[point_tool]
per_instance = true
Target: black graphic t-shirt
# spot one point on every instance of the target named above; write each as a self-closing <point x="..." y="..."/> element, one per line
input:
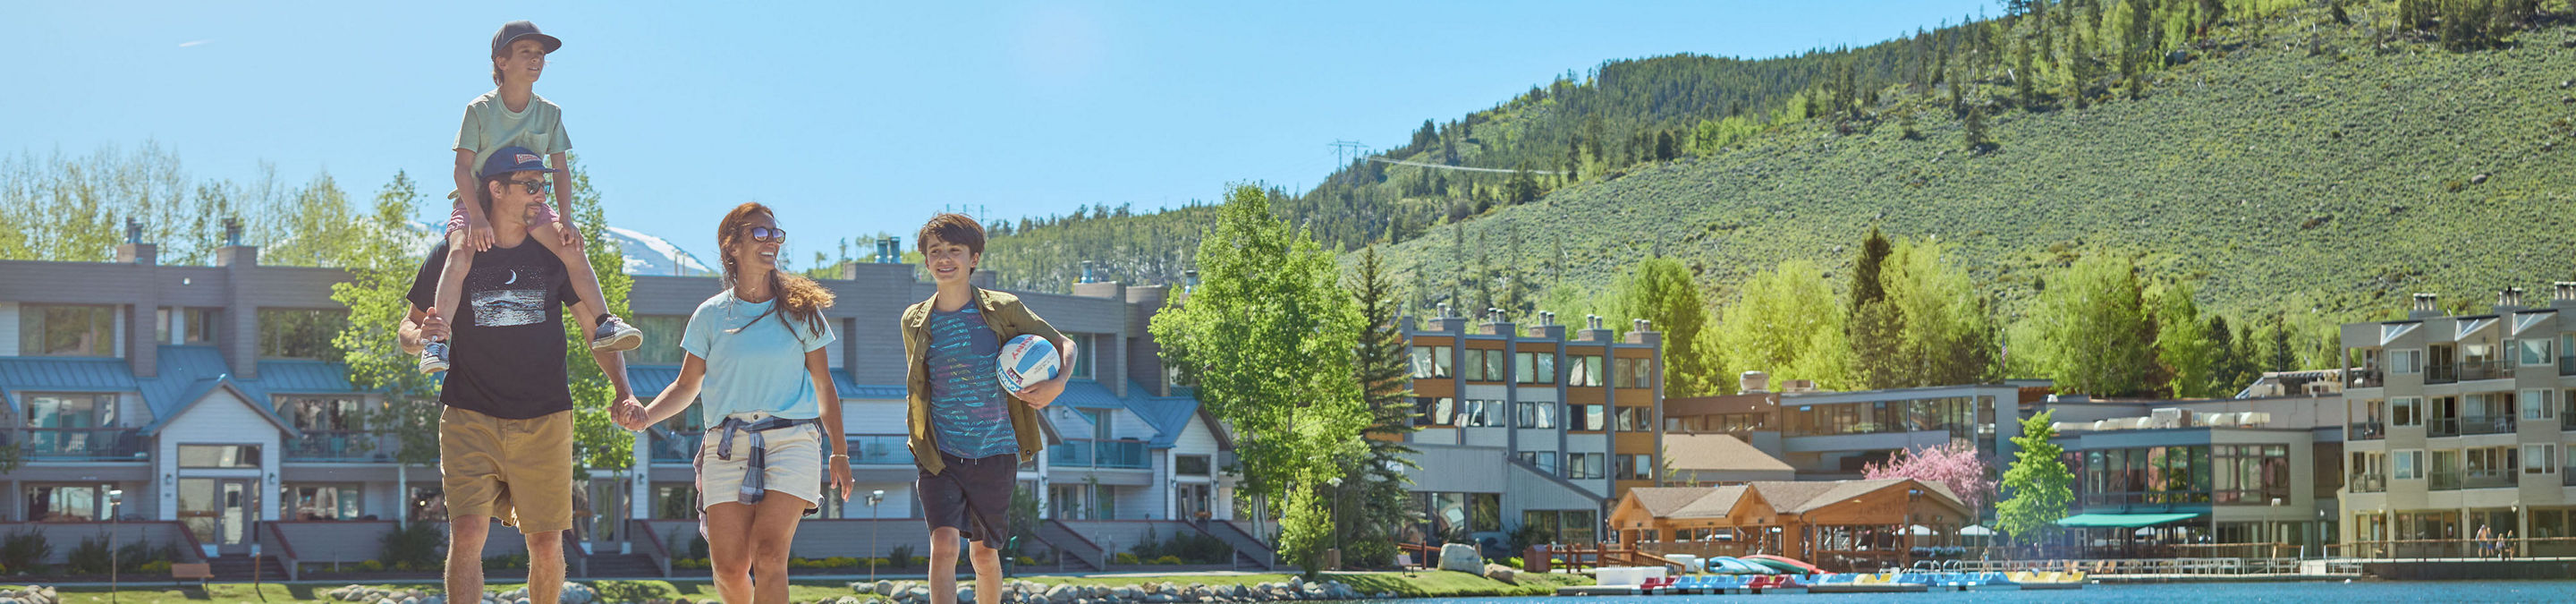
<point x="506" y="356"/>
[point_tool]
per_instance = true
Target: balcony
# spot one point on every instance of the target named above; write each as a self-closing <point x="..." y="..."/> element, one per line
<point x="2567" y="476"/>
<point x="2566" y="365"/>
<point x="342" y="446"/>
<point x="2366" y="377"/>
<point x="76" y="444"/>
<point x="2367" y="483"/>
<point x="2442" y="426"/>
<point x="2366" y="431"/>
<point x="2567" y="419"/>
<point x="2441" y="374"/>
<point x="1095" y="453"/>
<point x="2444" y="481"/>
<point x="2471" y="371"/>
<point x="2489" y="479"/>
<point x="676" y="447"/>
<point x="2484" y="425"/>
<point x="880" y="450"/>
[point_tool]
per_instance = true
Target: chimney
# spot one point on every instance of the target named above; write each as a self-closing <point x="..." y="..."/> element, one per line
<point x="1495" y="324"/>
<point x="1086" y="272"/>
<point x="2564" y="296"/>
<point x="1446" y="321"/>
<point x="2425" y="307"/>
<point x="1592" y="330"/>
<point x="1547" y="329"/>
<point x="233" y="253"/>
<point x="1753" y="382"/>
<point x="134" y="250"/>
<point x="1642" y="331"/>
<point x="889" y="250"/>
<point x="2508" y="300"/>
<point x="1190" y="281"/>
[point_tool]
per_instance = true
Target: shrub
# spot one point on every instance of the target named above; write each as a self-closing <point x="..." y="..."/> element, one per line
<point x="1025" y="561"/>
<point x="900" y="556"/>
<point x="1168" y="560"/>
<point x="413" y="546"/>
<point x="630" y="591"/>
<point x="89" y="558"/>
<point x="23" y="550"/>
<point x="155" y="567"/>
<point x="135" y="555"/>
<point x="505" y="562"/>
<point x="371" y="566"/>
<point x="689" y="563"/>
<point x="1128" y="558"/>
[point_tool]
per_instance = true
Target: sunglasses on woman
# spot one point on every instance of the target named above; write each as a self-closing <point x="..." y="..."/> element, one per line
<point x="534" y="186"/>
<point x="766" y="234"/>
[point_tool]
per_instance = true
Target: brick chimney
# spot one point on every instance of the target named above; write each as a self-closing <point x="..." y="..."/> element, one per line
<point x="1547" y="329"/>
<point x="1495" y="324"/>
<point x="1592" y="330"/>
<point x="134" y="250"/>
<point x="1446" y="321"/>
<point x="233" y="253"/>
<point x="2563" y="295"/>
<point x="1642" y="331"/>
<point x="2509" y="300"/>
<point x="2426" y="307"/>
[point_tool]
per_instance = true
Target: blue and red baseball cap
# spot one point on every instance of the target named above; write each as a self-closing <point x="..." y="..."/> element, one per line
<point x="514" y="30"/>
<point x="512" y="159"/>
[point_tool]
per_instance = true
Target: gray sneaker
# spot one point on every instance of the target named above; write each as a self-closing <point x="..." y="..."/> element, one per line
<point x="614" y="335"/>
<point x="433" y="357"/>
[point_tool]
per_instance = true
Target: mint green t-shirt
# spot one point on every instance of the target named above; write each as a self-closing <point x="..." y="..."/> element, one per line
<point x="490" y="125"/>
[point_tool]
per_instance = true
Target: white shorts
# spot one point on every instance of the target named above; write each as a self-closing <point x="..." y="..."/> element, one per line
<point x="795" y="460"/>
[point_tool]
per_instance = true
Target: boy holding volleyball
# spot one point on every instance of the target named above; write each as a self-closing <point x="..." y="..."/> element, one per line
<point x="967" y="435"/>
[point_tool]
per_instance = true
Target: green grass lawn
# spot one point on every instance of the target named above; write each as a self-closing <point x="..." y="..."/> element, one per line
<point x="1421" y="584"/>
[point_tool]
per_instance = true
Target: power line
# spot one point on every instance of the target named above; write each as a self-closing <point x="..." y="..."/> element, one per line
<point x="1443" y="167"/>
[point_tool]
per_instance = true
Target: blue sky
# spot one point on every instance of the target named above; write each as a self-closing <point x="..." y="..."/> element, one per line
<point x="849" y="117"/>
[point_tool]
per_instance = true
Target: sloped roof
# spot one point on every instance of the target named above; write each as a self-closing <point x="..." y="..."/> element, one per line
<point x="1718" y="453"/>
<point x="1715" y="504"/>
<point x="1664" y="501"/>
<point x="1803" y="497"/>
<point x="203" y="389"/>
<point x="58" y="374"/>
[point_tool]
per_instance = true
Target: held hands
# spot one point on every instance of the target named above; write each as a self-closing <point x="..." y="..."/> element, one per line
<point x="432" y="327"/>
<point x="630" y="414"/>
<point x="478" y="232"/>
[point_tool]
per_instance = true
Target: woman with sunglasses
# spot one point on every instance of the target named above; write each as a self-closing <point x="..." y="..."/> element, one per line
<point x="756" y="352"/>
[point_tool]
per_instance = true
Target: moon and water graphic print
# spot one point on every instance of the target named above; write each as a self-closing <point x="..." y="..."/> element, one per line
<point x="509" y="296"/>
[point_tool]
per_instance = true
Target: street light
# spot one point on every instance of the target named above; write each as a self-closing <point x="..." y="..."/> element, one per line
<point x="115" y="500"/>
<point x="1337" y="519"/>
<point x="873" y="498"/>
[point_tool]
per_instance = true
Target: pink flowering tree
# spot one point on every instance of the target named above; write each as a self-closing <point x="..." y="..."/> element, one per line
<point x="1956" y="466"/>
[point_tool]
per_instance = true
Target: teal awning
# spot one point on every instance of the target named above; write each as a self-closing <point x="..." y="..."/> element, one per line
<point x="2122" y="520"/>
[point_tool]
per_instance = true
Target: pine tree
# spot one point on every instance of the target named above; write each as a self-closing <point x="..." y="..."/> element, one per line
<point x="1375" y="487"/>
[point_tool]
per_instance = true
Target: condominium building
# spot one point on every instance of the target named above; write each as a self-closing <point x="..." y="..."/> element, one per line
<point x="1525" y="425"/>
<point x="210" y="402"/>
<point x="2461" y="424"/>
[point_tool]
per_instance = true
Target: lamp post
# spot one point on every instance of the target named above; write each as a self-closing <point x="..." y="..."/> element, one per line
<point x="1337" y="520"/>
<point x="115" y="521"/>
<point x="873" y="520"/>
<point x="2274" y="515"/>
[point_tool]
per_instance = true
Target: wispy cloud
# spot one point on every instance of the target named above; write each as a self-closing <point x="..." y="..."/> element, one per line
<point x="193" y="43"/>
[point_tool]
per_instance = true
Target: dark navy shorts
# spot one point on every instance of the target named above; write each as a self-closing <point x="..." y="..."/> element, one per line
<point x="972" y="496"/>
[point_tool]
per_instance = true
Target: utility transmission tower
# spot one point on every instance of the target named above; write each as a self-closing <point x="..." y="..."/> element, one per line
<point x="1345" y="151"/>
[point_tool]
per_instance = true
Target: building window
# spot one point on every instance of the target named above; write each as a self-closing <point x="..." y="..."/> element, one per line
<point x="299" y="333"/>
<point x="71" y="410"/>
<point x="661" y="340"/>
<point x="1432" y="361"/>
<point x="1434" y="411"/>
<point x="322" y="502"/>
<point x="1534" y="367"/>
<point x="53" y="330"/>
<point x="1480" y="413"/>
<point x="184" y="326"/>
<point x="1583" y="370"/>
<point x="1545" y="461"/>
<point x="323" y="412"/>
<point x="1631" y="373"/>
<point x="2407" y="361"/>
<point x="1533" y="414"/>
<point x="2536" y="405"/>
<point x="1635" y="419"/>
<point x="2408" y="411"/>
<point x="1083" y="353"/>
<point x="2533" y="352"/>
<point x="1190" y="465"/>
<point x="2540" y="456"/>
<point x="1585" y="418"/>
<point x="2410" y="463"/>
<point x="1584" y="465"/>
<point x="218" y="456"/>
<point x="2250" y="474"/>
<point x="67" y="503"/>
<point x="1635" y="467"/>
<point x="1484" y="365"/>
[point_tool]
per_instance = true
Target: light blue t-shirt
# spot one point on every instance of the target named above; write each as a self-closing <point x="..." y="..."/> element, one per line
<point x="753" y="367"/>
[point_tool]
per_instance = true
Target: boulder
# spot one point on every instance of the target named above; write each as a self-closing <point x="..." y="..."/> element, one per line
<point x="1462" y="558"/>
<point x="1499" y="573"/>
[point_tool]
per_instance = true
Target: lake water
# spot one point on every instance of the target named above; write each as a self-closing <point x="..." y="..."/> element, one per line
<point x="2418" y="592"/>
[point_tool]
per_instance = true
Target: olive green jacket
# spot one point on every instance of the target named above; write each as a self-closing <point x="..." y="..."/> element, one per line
<point x="1008" y="319"/>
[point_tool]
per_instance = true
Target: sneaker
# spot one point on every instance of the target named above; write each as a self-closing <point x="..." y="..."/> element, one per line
<point x="433" y="357"/>
<point x="614" y="335"/>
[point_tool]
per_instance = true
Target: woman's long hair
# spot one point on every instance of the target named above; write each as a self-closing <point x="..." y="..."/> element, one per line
<point x="801" y="299"/>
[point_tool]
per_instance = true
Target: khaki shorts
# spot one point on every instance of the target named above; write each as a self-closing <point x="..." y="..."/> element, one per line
<point x="517" y="470"/>
<point x="795" y="464"/>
